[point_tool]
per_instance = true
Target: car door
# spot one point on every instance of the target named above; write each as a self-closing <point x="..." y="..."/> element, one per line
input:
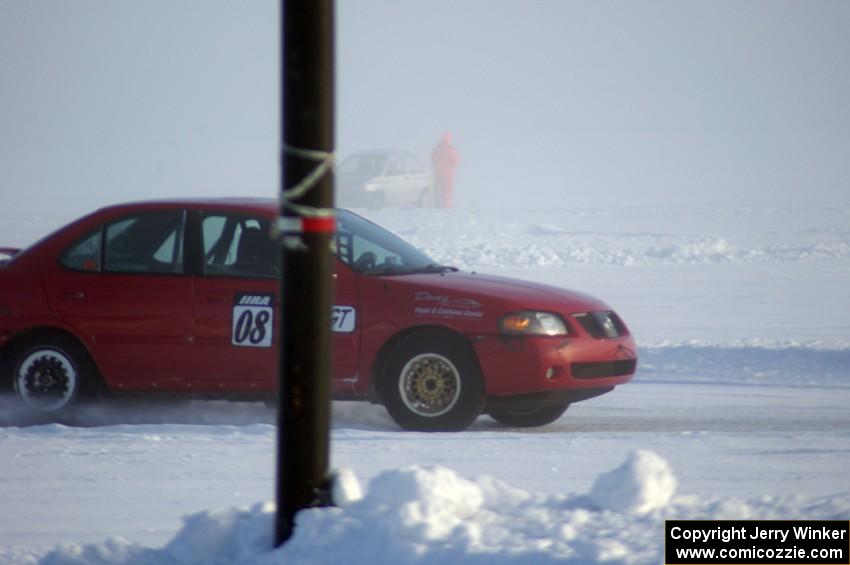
<point x="395" y="183"/>
<point x="237" y="309"/>
<point x="124" y="289"/>
<point x="351" y="176"/>
<point x="346" y="326"/>
<point x="418" y="181"/>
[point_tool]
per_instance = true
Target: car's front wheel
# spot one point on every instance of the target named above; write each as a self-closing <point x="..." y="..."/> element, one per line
<point x="530" y="418"/>
<point x="51" y="373"/>
<point x="431" y="382"/>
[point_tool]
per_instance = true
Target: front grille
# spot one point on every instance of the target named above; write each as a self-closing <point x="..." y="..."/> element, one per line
<point x="604" y="369"/>
<point x="601" y="325"/>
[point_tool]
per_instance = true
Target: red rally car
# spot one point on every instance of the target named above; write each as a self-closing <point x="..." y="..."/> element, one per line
<point x="181" y="297"/>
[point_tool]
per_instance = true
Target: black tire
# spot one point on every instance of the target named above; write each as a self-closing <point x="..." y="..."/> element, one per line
<point x="431" y="382"/>
<point x="529" y="418"/>
<point x="52" y="373"/>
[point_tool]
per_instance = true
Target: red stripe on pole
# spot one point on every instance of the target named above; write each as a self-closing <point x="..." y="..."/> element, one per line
<point x="319" y="225"/>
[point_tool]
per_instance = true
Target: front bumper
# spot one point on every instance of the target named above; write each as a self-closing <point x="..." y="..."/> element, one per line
<point x="516" y="365"/>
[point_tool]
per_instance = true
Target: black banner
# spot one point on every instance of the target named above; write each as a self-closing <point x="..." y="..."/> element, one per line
<point x="757" y="542"/>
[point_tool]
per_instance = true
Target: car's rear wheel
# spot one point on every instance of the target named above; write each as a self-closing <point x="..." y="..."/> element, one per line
<point x="51" y="373"/>
<point x="530" y="418"/>
<point x="431" y="382"/>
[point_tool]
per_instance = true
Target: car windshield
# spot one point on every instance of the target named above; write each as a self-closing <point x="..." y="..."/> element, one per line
<point x="363" y="166"/>
<point x="372" y="250"/>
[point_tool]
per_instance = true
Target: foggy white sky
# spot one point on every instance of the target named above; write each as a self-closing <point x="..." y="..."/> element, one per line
<point x="551" y="103"/>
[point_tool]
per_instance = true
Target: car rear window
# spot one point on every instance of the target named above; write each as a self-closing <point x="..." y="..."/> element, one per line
<point x="151" y="242"/>
<point x="84" y="254"/>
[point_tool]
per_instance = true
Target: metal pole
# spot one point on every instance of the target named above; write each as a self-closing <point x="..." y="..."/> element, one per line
<point x="307" y="225"/>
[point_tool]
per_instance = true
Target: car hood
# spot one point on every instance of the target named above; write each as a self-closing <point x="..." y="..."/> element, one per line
<point x="513" y="293"/>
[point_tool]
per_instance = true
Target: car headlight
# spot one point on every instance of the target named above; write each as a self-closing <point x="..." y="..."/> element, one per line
<point x="533" y="323"/>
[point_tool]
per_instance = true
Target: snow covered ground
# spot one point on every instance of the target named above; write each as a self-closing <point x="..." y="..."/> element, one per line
<point x="739" y="410"/>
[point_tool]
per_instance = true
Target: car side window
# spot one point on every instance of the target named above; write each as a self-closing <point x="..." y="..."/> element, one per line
<point x="238" y="246"/>
<point x="374" y="165"/>
<point x="150" y="242"/>
<point x="395" y="166"/>
<point x="364" y="255"/>
<point x="83" y="255"/>
<point x="371" y="250"/>
<point x="366" y="250"/>
<point x="352" y="165"/>
<point x="414" y="165"/>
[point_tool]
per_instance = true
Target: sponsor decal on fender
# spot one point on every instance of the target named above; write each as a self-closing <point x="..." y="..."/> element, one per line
<point x="445" y="307"/>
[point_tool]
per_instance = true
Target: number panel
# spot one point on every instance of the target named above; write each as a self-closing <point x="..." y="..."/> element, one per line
<point x="253" y="320"/>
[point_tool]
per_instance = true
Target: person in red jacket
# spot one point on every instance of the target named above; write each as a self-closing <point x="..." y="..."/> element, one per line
<point x="445" y="159"/>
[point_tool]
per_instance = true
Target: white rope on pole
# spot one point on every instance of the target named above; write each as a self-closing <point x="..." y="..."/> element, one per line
<point x="325" y="160"/>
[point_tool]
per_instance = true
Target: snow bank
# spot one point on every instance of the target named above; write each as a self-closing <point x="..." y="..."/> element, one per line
<point x="624" y="236"/>
<point x="643" y="483"/>
<point x="433" y="515"/>
<point x="751" y="362"/>
<point x="686" y="235"/>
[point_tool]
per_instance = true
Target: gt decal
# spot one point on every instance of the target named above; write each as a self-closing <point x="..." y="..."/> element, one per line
<point x="343" y="319"/>
<point x="253" y="320"/>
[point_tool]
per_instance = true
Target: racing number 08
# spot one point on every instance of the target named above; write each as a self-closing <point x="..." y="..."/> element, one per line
<point x="253" y="328"/>
<point x="253" y="317"/>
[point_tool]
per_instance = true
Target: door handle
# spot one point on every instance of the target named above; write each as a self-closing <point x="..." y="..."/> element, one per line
<point x="74" y="295"/>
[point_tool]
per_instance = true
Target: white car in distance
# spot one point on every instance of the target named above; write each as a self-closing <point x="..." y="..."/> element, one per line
<point x="379" y="178"/>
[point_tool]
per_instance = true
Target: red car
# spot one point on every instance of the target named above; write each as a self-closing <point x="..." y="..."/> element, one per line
<point x="181" y="297"/>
